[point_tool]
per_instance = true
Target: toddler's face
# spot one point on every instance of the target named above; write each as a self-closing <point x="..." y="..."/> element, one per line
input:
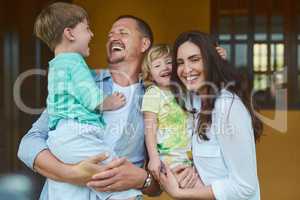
<point x="160" y="70"/>
<point x="82" y="37"/>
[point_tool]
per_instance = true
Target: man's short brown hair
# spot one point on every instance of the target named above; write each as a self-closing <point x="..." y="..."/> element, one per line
<point x="51" y="22"/>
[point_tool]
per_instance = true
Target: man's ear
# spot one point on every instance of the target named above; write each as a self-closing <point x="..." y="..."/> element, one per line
<point x="146" y="44"/>
<point x="68" y="34"/>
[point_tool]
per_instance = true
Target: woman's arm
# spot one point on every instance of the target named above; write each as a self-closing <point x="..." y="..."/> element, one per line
<point x="170" y="185"/>
<point x="237" y="144"/>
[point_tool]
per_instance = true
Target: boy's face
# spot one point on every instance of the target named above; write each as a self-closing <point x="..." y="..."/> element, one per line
<point x="82" y="36"/>
<point x="160" y="70"/>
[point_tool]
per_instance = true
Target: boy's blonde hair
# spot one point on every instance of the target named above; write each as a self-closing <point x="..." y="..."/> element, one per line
<point x="51" y="22"/>
<point x="154" y="53"/>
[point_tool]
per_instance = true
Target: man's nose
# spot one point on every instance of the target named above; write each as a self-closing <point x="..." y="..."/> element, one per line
<point x="114" y="36"/>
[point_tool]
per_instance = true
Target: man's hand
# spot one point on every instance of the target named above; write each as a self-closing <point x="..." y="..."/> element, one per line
<point x="82" y="172"/>
<point x="186" y="176"/>
<point x="120" y="175"/>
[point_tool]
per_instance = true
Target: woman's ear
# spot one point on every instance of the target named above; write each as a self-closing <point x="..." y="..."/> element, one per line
<point x="68" y="34"/>
<point x="146" y="44"/>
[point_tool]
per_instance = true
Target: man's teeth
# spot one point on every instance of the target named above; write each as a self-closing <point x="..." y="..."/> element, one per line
<point x="117" y="48"/>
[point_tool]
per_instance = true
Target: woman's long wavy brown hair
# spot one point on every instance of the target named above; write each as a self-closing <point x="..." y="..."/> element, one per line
<point x="218" y="72"/>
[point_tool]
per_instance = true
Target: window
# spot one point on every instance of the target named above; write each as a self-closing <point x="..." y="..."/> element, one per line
<point x="258" y="36"/>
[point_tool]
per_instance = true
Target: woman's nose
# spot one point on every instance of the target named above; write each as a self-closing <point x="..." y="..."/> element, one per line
<point x="186" y="68"/>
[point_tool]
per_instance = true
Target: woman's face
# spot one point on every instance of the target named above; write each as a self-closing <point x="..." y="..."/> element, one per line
<point x="190" y="66"/>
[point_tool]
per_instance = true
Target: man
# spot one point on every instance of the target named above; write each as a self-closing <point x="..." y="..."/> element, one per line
<point x="128" y="40"/>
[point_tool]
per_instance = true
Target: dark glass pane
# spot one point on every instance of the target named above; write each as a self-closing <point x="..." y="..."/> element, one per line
<point x="276" y="28"/>
<point x="241" y="55"/>
<point x="260" y="57"/>
<point x="241" y="28"/>
<point x="298" y="57"/>
<point x="224" y="28"/>
<point x="277" y="57"/>
<point x="260" y="28"/>
<point x="298" y="26"/>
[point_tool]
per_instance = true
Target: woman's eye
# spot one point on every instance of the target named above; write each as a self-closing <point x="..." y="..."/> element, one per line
<point x="195" y="59"/>
<point x="156" y="66"/>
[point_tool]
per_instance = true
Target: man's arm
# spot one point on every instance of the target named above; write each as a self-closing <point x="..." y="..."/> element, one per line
<point x="123" y="177"/>
<point x="33" y="151"/>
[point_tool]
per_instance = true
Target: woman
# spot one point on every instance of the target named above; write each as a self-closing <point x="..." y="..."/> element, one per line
<point x="223" y="125"/>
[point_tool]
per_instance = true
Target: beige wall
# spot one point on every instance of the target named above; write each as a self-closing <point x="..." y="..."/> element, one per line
<point x="278" y="154"/>
<point x="167" y="18"/>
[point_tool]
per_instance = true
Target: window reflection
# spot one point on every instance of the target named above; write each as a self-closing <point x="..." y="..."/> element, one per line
<point x="277" y="57"/>
<point x="260" y="82"/>
<point x="260" y="57"/>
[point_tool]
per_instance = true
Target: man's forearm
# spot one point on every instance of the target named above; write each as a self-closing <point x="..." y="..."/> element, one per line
<point x="49" y="166"/>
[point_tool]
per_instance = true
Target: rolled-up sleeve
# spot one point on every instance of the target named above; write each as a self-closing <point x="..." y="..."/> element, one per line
<point x="34" y="141"/>
<point x="236" y="140"/>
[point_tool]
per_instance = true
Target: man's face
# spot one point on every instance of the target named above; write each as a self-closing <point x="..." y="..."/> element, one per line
<point x="125" y="42"/>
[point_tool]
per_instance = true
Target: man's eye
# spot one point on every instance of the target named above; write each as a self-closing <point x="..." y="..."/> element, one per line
<point x="169" y="62"/>
<point x="124" y="33"/>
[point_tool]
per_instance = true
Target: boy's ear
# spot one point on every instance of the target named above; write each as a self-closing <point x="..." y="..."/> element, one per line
<point x="145" y="44"/>
<point x="68" y="34"/>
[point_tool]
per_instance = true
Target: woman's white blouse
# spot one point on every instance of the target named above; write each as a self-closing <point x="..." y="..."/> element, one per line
<point x="227" y="161"/>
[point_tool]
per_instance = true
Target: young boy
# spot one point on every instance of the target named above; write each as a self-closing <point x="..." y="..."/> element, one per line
<point x="74" y="102"/>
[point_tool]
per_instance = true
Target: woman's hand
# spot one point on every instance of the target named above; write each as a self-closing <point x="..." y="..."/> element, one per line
<point x="154" y="166"/>
<point x="186" y="176"/>
<point x="169" y="183"/>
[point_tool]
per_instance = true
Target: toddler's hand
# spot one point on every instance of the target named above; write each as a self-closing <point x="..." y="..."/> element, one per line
<point x="113" y="102"/>
<point x="154" y="166"/>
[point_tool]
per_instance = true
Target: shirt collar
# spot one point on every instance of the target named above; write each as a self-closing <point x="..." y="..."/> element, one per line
<point x="102" y="74"/>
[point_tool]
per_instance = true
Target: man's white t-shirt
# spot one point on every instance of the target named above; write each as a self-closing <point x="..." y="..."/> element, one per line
<point x="116" y="120"/>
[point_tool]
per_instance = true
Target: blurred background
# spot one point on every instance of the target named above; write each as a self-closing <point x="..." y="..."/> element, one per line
<point x="262" y="39"/>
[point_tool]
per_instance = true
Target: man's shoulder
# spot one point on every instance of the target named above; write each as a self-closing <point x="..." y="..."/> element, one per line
<point x="100" y="74"/>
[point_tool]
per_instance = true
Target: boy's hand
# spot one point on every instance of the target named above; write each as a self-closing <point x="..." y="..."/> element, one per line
<point x="113" y="102"/>
<point x="154" y="166"/>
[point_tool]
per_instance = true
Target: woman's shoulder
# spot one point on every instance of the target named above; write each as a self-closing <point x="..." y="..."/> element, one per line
<point x="227" y="100"/>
